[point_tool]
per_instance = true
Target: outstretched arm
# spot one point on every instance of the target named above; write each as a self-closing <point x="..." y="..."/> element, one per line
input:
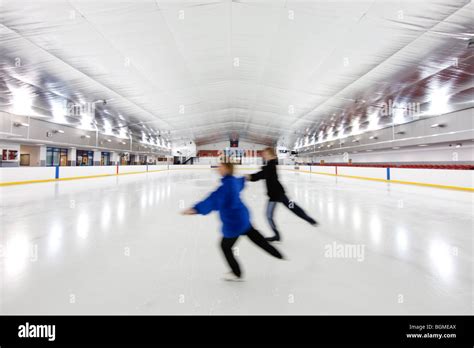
<point x="209" y="204"/>
<point x="256" y="176"/>
<point x="189" y="211"/>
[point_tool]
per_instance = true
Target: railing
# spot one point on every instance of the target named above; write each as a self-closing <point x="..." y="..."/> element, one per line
<point x="190" y="160"/>
<point x="399" y="165"/>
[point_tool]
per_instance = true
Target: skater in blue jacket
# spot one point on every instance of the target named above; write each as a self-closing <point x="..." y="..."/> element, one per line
<point x="234" y="215"/>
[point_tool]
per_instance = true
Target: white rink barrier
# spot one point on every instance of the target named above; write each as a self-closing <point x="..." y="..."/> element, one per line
<point x="255" y="167"/>
<point x="441" y="178"/>
<point x="157" y="167"/>
<point x="286" y="167"/>
<point x="429" y="177"/>
<point x="131" y="169"/>
<point x="190" y="166"/>
<point x="303" y="168"/>
<point x="86" y="171"/>
<point x="26" y="175"/>
<point x="363" y="172"/>
<point x="328" y="170"/>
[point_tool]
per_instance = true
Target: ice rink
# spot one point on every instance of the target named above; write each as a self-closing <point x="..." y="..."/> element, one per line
<point x="118" y="245"/>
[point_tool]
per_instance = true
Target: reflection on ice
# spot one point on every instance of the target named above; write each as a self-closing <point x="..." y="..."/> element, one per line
<point x="441" y="257"/>
<point x="402" y="239"/>
<point x="83" y="225"/>
<point x="54" y="237"/>
<point x="375" y="228"/>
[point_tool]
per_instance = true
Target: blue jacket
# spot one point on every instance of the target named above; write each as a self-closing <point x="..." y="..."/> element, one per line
<point x="234" y="214"/>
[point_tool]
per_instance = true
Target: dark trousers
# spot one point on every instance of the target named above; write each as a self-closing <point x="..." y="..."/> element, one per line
<point x="296" y="209"/>
<point x="257" y="238"/>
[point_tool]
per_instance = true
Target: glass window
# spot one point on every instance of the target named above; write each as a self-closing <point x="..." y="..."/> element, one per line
<point x="105" y="159"/>
<point x="56" y="156"/>
<point x="49" y="157"/>
<point x="84" y="158"/>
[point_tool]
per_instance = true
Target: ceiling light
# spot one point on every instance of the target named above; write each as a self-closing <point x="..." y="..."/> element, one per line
<point x="58" y="131"/>
<point x="422" y="145"/>
<point x="373" y="137"/>
<point x="21" y="124"/>
<point x="355" y="141"/>
<point x="108" y="140"/>
<point x="458" y="146"/>
<point x="437" y="125"/>
<point x="85" y="136"/>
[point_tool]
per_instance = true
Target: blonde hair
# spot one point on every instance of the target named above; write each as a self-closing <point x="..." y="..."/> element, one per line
<point x="270" y="151"/>
<point x="229" y="166"/>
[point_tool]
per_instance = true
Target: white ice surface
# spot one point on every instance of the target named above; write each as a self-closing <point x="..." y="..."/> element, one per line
<point x="118" y="245"/>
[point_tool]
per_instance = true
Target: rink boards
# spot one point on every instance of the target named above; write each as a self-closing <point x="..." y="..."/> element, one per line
<point x="440" y="178"/>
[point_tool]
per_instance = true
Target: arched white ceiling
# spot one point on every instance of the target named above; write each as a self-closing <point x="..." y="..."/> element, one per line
<point x="262" y="70"/>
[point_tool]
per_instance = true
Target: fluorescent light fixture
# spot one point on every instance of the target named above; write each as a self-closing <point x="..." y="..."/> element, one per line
<point x="458" y="146"/>
<point x="355" y="140"/>
<point x="422" y="145"/>
<point x="108" y="140"/>
<point x="86" y="136"/>
<point x="21" y="124"/>
<point x="439" y="100"/>
<point x="373" y="137"/>
<point x="58" y="131"/>
<point x="437" y="125"/>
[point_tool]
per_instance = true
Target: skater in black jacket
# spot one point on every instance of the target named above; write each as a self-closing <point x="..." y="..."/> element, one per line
<point x="276" y="192"/>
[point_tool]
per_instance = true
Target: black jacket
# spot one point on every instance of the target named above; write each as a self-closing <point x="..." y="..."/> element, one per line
<point x="269" y="172"/>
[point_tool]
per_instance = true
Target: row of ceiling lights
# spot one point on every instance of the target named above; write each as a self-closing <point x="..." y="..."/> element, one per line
<point x="393" y="148"/>
<point x="23" y="97"/>
<point x="84" y="136"/>
<point x="373" y="137"/>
